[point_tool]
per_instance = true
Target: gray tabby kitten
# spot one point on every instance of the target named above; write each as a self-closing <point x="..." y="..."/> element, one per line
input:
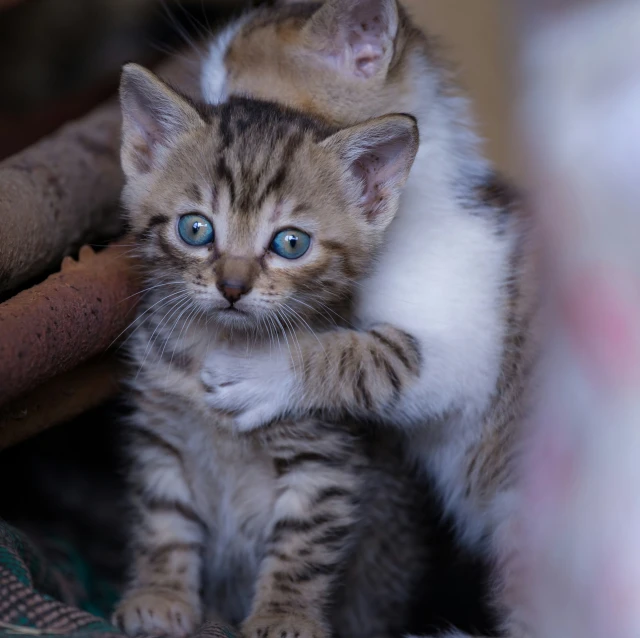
<point x="254" y="224"/>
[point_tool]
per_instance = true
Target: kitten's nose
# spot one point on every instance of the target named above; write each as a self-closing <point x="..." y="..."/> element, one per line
<point x="233" y="290"/>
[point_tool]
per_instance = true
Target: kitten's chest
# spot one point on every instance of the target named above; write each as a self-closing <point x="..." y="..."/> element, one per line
<point x="234" y="483"/>
<point x="233" y="479"/>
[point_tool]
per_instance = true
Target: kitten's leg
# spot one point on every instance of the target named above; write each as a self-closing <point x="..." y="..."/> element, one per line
<point x="313" y="528"/>
<point x="164" y="593"/>
<point x="362" y="373"/>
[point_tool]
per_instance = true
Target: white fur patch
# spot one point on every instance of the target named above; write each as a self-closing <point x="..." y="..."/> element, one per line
<point x="213" y="78"/>
<point x="261" y="383"/>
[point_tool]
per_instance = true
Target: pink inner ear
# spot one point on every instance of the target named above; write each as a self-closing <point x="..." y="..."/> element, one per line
<point x="371" y="197"/>
<point x="380" y="171"/>
<point x="368" y="37"/>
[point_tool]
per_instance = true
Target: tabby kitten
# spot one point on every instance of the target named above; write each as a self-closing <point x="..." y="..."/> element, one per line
<point x="453" y="285"/>
<point x="254" y="224"/>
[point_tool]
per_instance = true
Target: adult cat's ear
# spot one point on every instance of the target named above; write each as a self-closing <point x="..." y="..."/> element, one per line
<point x="154" y="116"/>
<point x="355" y="36"/>
<point x="379" y="154"/>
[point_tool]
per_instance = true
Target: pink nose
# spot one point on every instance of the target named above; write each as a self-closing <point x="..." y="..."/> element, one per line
<point x="233" y="290"/>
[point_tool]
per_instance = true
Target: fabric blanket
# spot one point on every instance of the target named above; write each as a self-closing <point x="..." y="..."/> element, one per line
<point x="54" y="593"/>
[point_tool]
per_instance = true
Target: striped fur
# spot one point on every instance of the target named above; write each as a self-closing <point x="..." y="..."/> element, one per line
<point x="442" y="343"/>
<point x="304" y="528"/>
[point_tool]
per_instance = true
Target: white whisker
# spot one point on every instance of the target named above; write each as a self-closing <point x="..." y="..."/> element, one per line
<point x="303" y="320"/>
<point x="141" y="292"/>
<point x="160" y="324"/>
<point x="294" y="335"/>
<point x="284" y="334"/>
<point x="170" y="297"/>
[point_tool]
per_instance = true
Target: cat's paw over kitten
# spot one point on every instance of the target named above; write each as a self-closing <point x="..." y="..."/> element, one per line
<point x="254" y="388"/>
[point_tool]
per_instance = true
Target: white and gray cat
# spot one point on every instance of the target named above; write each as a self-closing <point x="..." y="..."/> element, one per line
<point x="455" y="275"/>
<point x="254" y="225"/>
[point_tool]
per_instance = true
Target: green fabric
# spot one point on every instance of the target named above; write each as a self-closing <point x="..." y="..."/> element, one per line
<point x="92" y="595"/>
<point x="45" y="596"/>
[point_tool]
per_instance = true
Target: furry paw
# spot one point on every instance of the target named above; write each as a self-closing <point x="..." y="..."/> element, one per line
<point x="280" y="626"/>
<point x="256" y="389"/>
<point x="157" y="612"/>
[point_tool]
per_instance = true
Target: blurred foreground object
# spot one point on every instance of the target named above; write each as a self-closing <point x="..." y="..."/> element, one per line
<point x="580" y="522"/>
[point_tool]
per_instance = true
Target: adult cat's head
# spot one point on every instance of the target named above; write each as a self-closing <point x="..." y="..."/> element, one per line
<point x="342" y="60"/>
<point x="255" y="213"/>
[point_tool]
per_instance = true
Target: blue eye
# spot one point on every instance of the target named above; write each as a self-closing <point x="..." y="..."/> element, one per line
<point x="290" y="243"/>
<point x="195" y="230"/>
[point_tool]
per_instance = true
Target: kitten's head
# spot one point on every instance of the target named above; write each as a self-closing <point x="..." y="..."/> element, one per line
<point x="255" y="212"/>
<point x="343" y="60"/>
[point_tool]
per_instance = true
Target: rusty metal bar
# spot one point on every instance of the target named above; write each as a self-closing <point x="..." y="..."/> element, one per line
<point x="71" y="317"/>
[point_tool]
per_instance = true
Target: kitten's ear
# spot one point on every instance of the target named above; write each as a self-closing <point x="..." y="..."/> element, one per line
<point x="154" y="116"/>
<point x="356" y="36"/>
<point x="380" y="154"/>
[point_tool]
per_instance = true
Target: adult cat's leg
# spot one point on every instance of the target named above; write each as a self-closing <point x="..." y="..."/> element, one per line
<point x="366" y="374"/>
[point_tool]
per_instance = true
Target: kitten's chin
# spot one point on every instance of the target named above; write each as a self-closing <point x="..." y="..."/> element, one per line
<point x="234" y="318"/>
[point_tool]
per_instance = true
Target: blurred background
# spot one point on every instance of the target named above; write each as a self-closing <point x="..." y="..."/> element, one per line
<point x="59" y="57"/>
<point x="476" y="36"/>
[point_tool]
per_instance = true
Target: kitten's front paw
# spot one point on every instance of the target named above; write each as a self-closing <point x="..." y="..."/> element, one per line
<point x="157" y="612"/>
<point x="255" y="387"/>
<point x="281" y="626"/>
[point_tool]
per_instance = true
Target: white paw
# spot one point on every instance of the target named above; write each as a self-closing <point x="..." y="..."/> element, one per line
<point x="281" y="626"/>
<point x="256" y="387"/>
<point x="157" y="612"/>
